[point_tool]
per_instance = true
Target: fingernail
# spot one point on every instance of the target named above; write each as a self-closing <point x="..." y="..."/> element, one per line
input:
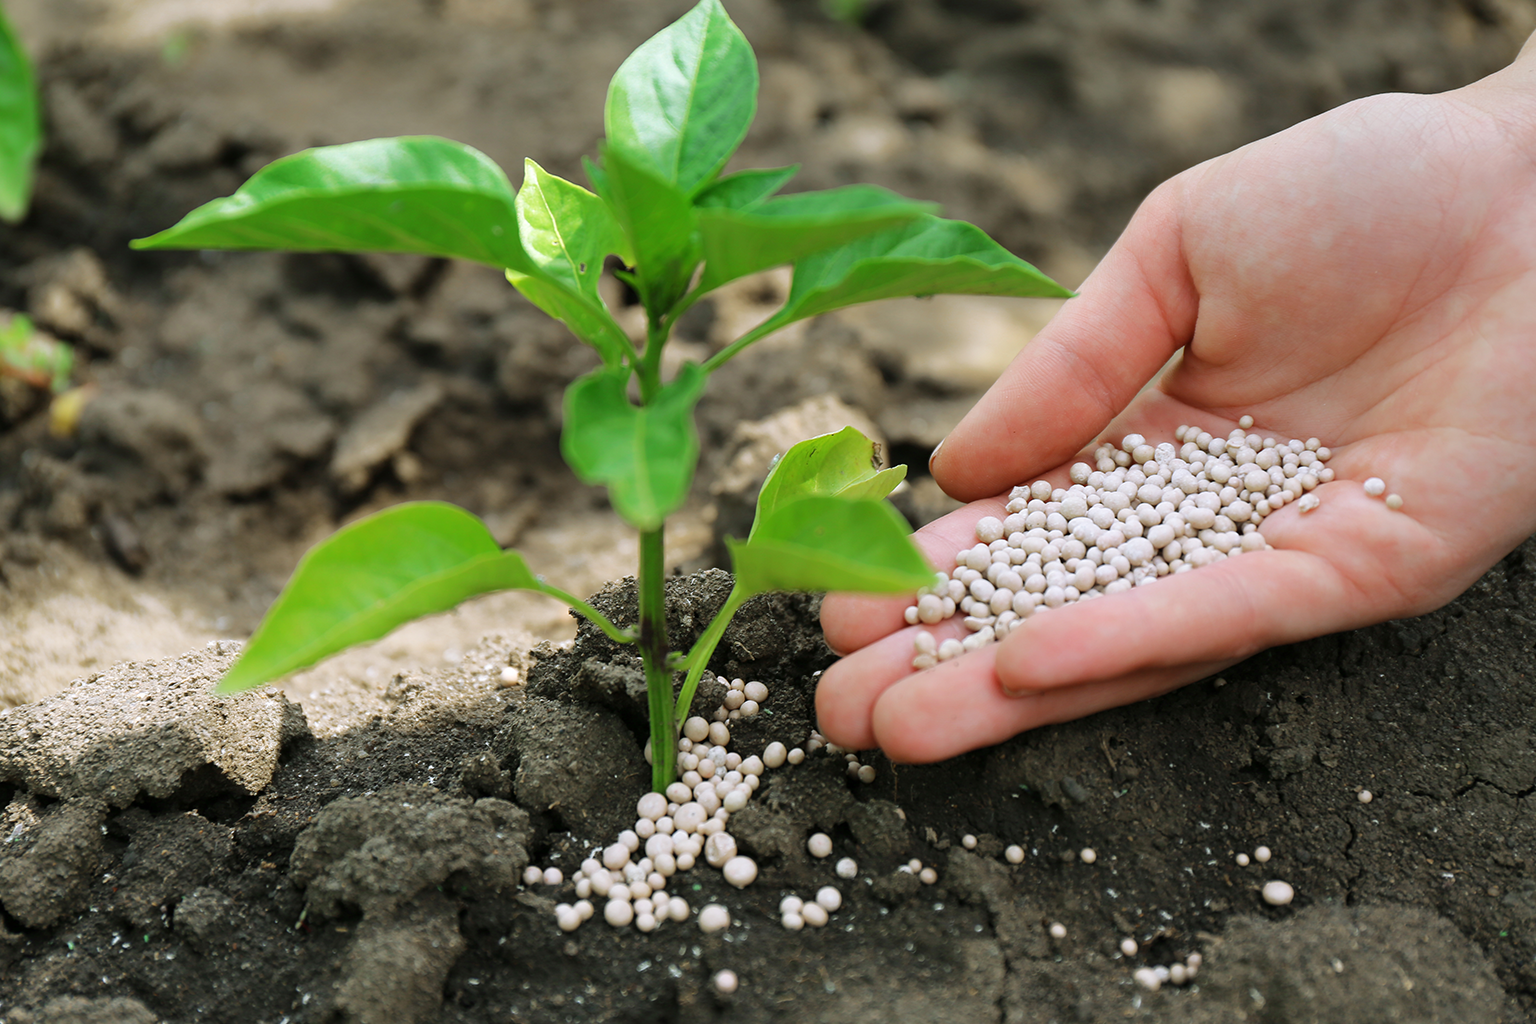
<point x="934" y="454"/>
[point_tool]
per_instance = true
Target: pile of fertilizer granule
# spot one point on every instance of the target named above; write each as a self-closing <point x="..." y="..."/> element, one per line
<point x="1142" y="513"/>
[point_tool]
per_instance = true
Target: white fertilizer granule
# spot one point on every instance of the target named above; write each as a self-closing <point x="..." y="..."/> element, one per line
<point x="1144" y="513"/>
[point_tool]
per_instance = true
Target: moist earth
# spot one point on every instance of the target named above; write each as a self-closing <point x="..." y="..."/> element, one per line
<point x="375" y="874"/>
<point x="351" y="847"/>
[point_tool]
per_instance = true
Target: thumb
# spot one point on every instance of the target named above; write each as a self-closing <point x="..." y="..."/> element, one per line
<point x="1135" y="310"/>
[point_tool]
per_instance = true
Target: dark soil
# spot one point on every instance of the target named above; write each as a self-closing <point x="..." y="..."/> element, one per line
<point x="177" y="859"/>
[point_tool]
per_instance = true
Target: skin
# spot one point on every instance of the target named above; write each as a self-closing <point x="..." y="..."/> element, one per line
<point x="1367" y="277"/>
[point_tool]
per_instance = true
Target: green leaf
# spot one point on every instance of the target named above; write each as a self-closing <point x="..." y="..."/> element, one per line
<point x="686" y="97"/>
<point x="588" y="321"/>
<point x="418" y="194"/>
<point x="598" y="177"/>
<point x="17" y="331"/>
<point x="644" y="454"/>
<point x="660" y="225"/>
<point x="790" y="228"/>
<point x="567" y="232"/>
<point x="371" y="576"/>
<point x="830" y="543"/>
<point x="20" y="127"/>
<point x="845" y="464"/>
<point x="930" y="256"/>
<point x="28" y="354"/>
<point x="746" y="189"/>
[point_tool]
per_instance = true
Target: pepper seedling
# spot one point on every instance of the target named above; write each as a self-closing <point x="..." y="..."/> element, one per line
<point x="20" y="126"/>
<point x="32" y="357"/>
<point x="677" y="109"/>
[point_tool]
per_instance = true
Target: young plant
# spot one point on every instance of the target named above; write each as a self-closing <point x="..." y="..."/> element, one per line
<point x="20" y="131"/>
<point x="33" y="357"/>
<point x="677" y="109"/>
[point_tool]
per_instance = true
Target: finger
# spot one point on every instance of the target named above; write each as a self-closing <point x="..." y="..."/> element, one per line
<point x="957" y="706"/>
<point x="1349" y="564"/>
<point x="1225" y="611"/>
<point x="847" y="691"/>
<point x="850" y="621"/>
<point x="1134" y="311"/>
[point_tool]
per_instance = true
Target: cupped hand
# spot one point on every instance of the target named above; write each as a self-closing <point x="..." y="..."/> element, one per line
<point x="1367" y="277"/>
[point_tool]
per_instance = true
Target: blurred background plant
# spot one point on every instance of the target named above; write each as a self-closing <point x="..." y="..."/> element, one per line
<point x="850" y="12"/>
<point x="20" y="126"/>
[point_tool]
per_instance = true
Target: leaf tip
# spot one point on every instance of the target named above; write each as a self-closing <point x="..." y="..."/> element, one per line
<point x="235" y="681"/>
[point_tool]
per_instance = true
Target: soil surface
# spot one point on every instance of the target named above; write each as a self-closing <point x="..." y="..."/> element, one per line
<point x="351" y="846"/>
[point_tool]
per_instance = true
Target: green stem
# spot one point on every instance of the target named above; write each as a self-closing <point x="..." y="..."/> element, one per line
<point x="757" y="333"/>
<point x="685" y="303"/>
<point x="698" y="658"/>
<point x="627" y="350"/>
<point x="653" y="655"/>
<point x="649" y="366"/>
<point x="598" y="619"/>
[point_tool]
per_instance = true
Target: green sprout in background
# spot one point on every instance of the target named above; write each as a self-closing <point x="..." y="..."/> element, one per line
<point x="849" y="12"/>
<point x="677" y="109"/>
<point x="33" y="357"/>
<point x="20" y="126"/>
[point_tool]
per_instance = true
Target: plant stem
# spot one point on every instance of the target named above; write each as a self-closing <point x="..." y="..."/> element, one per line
<point x="757" y="333"/>
<point x="653" y="655"/>
<point x="597" y="618"/>
<point x="698" y="658"/>
<point x="648" y="369"/>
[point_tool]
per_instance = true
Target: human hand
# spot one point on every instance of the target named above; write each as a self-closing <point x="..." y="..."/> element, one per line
<point x="1367" y="277"/>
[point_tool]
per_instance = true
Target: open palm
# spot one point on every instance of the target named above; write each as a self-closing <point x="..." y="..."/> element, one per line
<point x="1367" y="277"/>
